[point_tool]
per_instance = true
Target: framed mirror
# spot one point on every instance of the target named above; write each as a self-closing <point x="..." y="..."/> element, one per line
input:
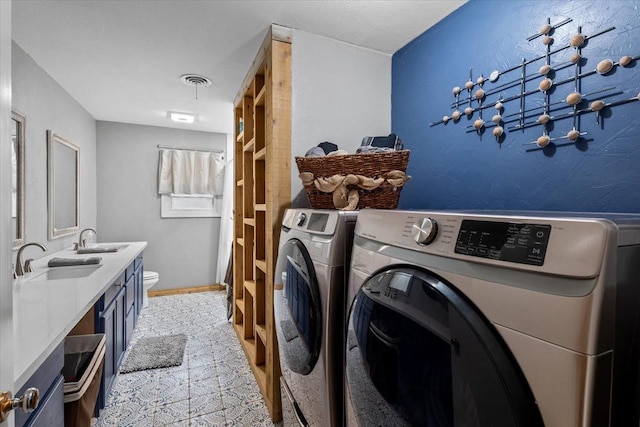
<point x="18" y="124"/>
<point x="63" y="164"/>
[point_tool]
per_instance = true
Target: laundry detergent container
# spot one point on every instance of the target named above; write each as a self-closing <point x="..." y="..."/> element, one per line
<point x="83" y="362"/>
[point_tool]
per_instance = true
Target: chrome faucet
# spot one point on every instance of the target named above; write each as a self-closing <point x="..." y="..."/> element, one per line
<point x="81" y="243"/>
<point x="20" y="270"/>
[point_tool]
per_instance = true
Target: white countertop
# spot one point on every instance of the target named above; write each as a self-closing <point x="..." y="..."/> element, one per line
<point x="44" y="311"/>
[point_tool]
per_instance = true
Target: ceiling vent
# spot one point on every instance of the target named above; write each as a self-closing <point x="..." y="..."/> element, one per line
<point x="195" y="80"/>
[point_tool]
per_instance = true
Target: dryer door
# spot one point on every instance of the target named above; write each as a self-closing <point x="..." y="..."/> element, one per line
<point x="419" y="354"/>
<point x="297" y="308"/>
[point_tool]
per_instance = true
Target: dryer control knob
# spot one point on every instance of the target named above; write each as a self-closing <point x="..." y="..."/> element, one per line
<point x="302" y="218"/>
<point x="425" y="230"/>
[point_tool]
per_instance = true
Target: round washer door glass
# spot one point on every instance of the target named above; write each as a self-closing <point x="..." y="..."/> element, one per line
<point x="297" y="308"/>
<point x="418" y="353"/>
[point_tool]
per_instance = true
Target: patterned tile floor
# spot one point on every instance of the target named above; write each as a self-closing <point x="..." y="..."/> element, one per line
<point x="214" y="385"/>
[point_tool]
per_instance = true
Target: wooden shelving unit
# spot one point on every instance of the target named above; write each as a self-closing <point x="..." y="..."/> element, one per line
<point x="262" y="193"/>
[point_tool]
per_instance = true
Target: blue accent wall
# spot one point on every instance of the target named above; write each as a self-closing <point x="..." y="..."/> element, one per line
<point x="456" y="169"/>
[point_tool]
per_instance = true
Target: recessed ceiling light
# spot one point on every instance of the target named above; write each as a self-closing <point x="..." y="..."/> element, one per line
<point x="182" y="117"/>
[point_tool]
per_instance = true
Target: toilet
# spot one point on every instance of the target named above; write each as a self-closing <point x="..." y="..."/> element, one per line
<point x="149" y="281"/>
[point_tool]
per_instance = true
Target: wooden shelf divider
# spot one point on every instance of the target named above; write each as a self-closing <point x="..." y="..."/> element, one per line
<point x="260" y="154"/>
<point x="261" y="265"/>
<point x="249" y="145"/>
<point x="250" y="286"/>
<point x="240" y="304"/>
<point x="262" y="170"/>
<point x="259" y="101"/>
<point x="261" y="330"/>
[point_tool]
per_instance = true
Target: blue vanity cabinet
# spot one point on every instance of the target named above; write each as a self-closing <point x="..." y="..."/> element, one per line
<point x="51" y="407"/>
<point x="116" y="314"/>
<point x="130" y="313"/>
<point x="109" y="312"/>
<point x="139" y="282"/>
<point x="49" y="381"/>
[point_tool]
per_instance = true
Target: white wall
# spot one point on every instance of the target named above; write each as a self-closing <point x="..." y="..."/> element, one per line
<point x="340" y="93"/>
<point x="47" y="105"/>
<point x="184" y="251"/>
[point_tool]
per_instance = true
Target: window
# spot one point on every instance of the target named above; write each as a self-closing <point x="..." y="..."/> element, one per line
<point x="190" y="206"/>
<point x="190" y="183"/>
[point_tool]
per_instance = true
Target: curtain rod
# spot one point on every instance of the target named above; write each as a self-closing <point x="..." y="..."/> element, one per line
<point x="190" y="149"/>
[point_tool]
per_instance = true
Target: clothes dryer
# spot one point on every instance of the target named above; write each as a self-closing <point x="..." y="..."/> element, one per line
<point x="493" y="319"/>
<point x="309" y="308"/>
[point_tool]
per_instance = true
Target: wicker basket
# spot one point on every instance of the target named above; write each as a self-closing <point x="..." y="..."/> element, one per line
<point x="372" y="165"/>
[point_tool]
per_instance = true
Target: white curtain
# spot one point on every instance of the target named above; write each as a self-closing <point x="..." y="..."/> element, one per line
<point x="226" y="226"/>
<point x="190" y="172"/>
<point x="226" y="221"/>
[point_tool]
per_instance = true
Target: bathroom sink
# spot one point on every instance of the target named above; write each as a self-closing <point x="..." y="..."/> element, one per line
<point x="98" y="248"/>
<point x="71" y="272"/>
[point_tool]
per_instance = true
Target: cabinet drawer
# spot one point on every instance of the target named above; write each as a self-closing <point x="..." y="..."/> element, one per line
<point x="50" y="411"/>
<point x="130" y="270"/>
<point x="113" y="290"/>
<point x="43" y="379"/>
<point x="107" y="324"/>
<point x="131" y="292"/>
<point x="130" y="323"/>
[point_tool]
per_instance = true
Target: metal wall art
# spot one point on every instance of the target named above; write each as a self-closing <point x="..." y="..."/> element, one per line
<point x="554" y="100"/>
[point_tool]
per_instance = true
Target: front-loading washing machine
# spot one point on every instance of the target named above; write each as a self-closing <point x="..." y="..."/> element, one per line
<point x="493" y="319"/>
<point x="309" y="307"/>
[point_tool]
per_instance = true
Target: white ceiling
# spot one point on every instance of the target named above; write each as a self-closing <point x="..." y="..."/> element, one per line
<point x="122" y="59"/>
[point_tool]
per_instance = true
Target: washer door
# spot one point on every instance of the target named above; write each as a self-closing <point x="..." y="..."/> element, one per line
<point x="418" y="353"/>
<point x="297" y="308"/>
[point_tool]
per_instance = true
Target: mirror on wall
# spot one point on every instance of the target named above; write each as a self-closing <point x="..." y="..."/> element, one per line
<point x="17" y="177"/>
<point x="63" y="185"/>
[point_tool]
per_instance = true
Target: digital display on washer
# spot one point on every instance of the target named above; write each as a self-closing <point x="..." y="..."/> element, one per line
<point x="318" y="222"/>
<point x="504" y="241"/>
